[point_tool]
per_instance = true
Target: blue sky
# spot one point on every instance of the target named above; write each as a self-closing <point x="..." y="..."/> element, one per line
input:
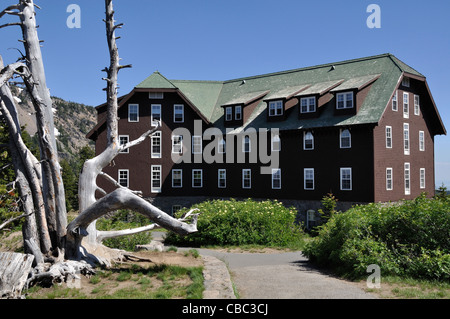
<point x="222" y="40"/>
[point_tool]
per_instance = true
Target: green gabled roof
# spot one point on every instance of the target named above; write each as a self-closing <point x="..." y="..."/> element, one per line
<point x="382" y="71"/>
<point x="156" y="81"/>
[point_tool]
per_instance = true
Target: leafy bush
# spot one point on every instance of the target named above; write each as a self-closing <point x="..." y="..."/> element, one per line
<point x="232" y="222"/>
<point x="407" y="239"/>
<point x="125" y="219"/>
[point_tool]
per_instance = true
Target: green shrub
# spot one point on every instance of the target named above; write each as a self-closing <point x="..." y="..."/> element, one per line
<point x="232" y="222"/>
<point x="125" y="219"/>
<point x="407" y="239"/>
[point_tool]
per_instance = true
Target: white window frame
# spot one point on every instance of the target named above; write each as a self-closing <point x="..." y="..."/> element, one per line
<point x="222" y="177"/>
<point x="395" y="102"/>
<point x="276" y="176"/>
<point x="305" y="135"/>
<point x="246" y="140"/>
<point x="155" y="169"/>
<point x="406" y="139"/>
<point x="405" y="105"/>
<point x="179" y="174"/>
<point x="306" y="173"/>
<point x="177" y="110"/>
<point x="342" y="137"/>
<point x="238" y="113"/>
<point x="276" y="143"/>
<point x="157" y="136"/>
<point x="157" y="107"/>
<point x="389" y="179"/>
<point x="388" y="136"/>
<point x="343" y="174"/>
<point x="222" y="146"/>
<point x="309" y="103"/>
<point x="246" y="176"/>
<point x="197" y="144"/>
<point x="120" y="177"/>
<point x="130" y="106"/>
<point x="176" y="146"/>
<point x="422" y="178"/>
<point x="276" y="108"/>
<point x="345" y="100"/>
<point x="416" y="104"/>
<point x="407" y="178"/>
<point x="123" y="140"/>
<point x="194" y="179"/>
<point x="422" y="141"/>
<point x="228" y="113"/>
<point x="156" y="95"/>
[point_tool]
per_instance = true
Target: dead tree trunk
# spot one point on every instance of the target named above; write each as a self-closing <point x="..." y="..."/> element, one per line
<point x="46" y="232"/>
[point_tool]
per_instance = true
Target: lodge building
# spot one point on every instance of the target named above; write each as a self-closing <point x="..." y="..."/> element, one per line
<point x="361" y="129"/>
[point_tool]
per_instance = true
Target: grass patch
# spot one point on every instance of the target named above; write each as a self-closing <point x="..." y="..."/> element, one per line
<point x="132" y="282"/>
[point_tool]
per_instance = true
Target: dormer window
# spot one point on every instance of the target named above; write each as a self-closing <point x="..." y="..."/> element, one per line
<point x="156" y="95"/>
<point x="238" y="113"/>
<point x="308" y="105"/>
<point x="275" y="108"/>
<point x="344" y="100"/>
<point x="228" y="113"/>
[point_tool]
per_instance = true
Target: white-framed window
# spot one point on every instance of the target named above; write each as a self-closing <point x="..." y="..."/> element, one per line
<point x="177" y="178"/>
<point x="308" y="179"/>
<point x="275" y="108"/>
<point x="407" y="175"/>
<point x="389" y="179"/>
<point x="156" y="144"/>
<point x="405" y="82"/>
<point x="308" y="141"/>
<point x="344" y="100"/>
<point x="422" y="178"/>
<point x="197" y="147"/>
<point x="416" y="104"/>
<point x="222" y="178"/>
<point x="405" y="105"/>
<point x="346" y="179"/>
<point x="276" y="178"/>
<point x="307" y="104"/>
<point x="228" y="113"/>
<point x="123" y="140"/>
<point x="246" y="144"/>
<point x="123" y="177"/>
<point x="406" y="138"/>
<point x="156" y="95"/>
<point x="345" y="139"/>
<point x="178" y="113"/>
<point x="246" y="178"/>
<point x="156" y="113"/>
<point x="422" y="141"/>
<point x="156" y="178"/>
<point x="222" y="146"/>
<point x="388" y="136"/>
<point x="133" y="112"/>
<point x="238" y="113"/>
<point x="276" y="143"/>
<point x="197" y="178"/>
<point x="395" y="102"/>
<point x="177" y="144"/>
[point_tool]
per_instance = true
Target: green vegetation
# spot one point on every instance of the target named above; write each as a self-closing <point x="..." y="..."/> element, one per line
<point x="232" y="222"/>
<point x="124" y="219"/>
<point x="408" y="239"/>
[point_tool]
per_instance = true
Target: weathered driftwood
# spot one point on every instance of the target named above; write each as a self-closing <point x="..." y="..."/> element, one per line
<point x="14" y="271"/>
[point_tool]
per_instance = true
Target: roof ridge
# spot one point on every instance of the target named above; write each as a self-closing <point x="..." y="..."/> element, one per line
<point x="311" y="67"/>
